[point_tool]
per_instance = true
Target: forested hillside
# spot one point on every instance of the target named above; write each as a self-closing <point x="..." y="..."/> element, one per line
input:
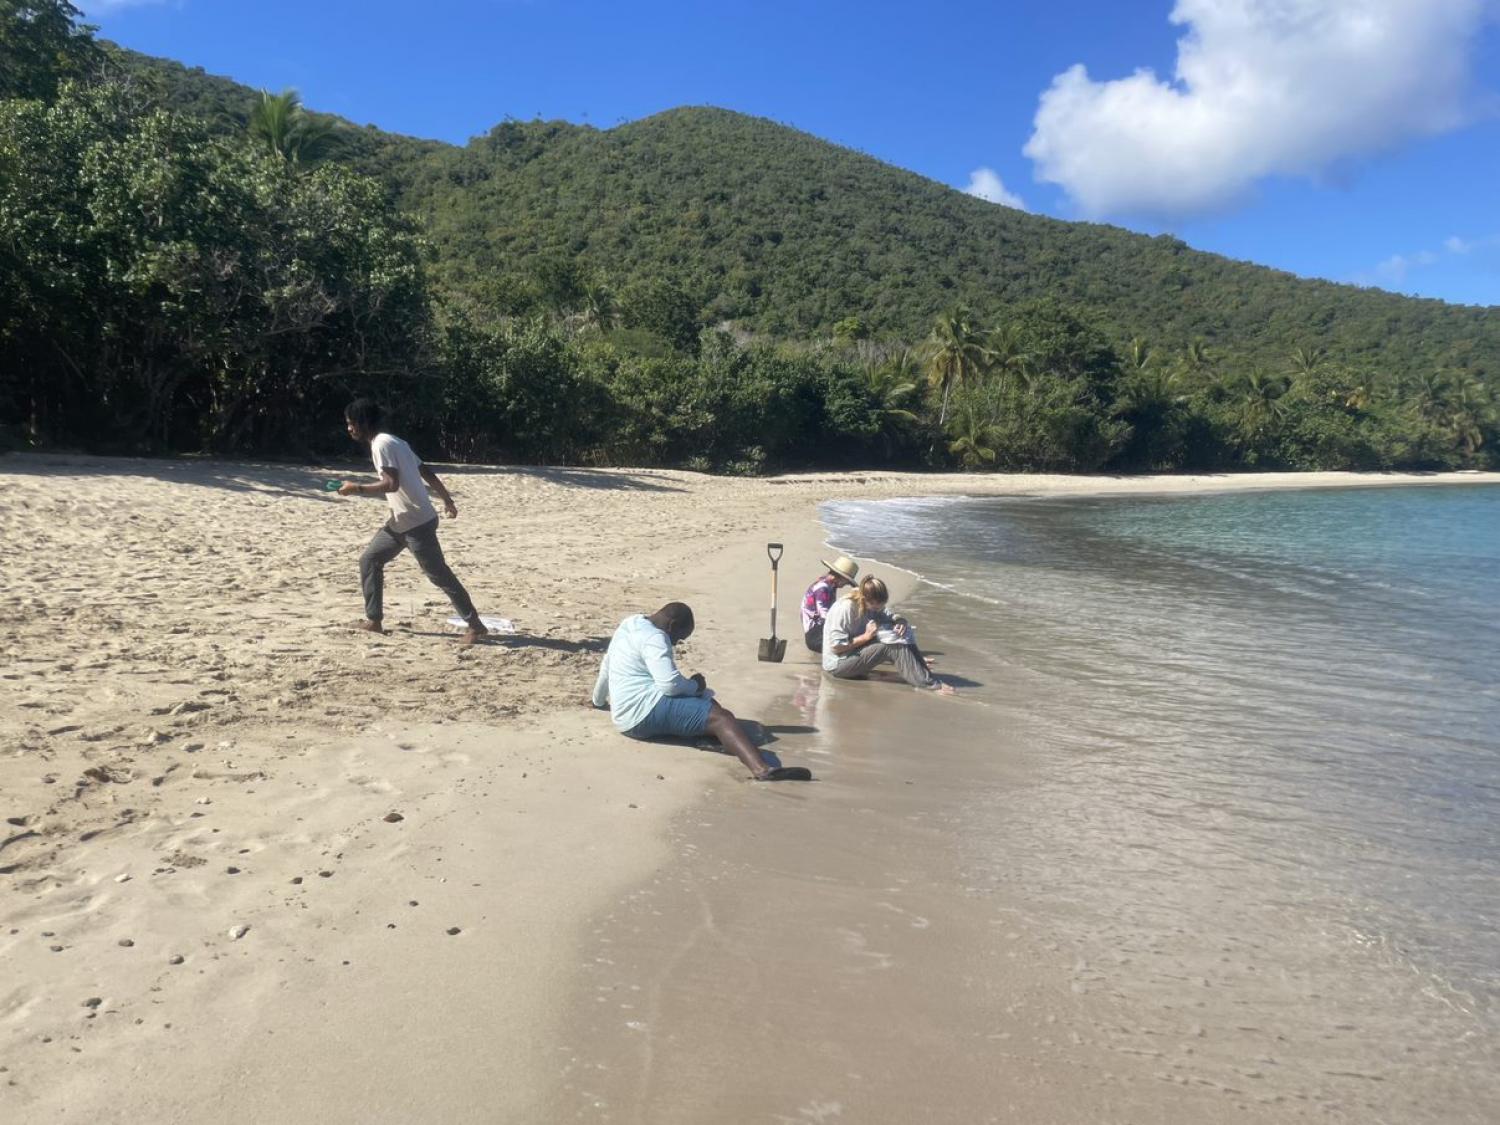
<point x="786" y="234"/>
<point x="190" y="265"/>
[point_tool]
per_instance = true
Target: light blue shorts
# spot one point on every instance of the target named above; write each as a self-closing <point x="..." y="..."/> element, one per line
<point x="674" y="716"/>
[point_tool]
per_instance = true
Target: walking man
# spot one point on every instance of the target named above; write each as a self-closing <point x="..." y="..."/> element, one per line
<point x="404" y="481"/>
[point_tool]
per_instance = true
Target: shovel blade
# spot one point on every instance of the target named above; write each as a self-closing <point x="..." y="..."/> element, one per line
<point x="772" y="649"/>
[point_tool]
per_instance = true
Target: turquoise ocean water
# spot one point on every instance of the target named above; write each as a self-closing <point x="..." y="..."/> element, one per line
<point x="1263" y="733"/>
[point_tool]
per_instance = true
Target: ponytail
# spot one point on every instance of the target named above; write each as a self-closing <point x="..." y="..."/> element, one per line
<point x="870" y="589"/>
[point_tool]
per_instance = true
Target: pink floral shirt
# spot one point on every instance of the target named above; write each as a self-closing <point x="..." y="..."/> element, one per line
<point x="818" y="601"/>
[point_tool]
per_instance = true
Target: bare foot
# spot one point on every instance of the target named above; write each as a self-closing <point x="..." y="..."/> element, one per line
<point x="368" y="626"/>
<point x="944" y="689"/>
<point x="473" y="634"/>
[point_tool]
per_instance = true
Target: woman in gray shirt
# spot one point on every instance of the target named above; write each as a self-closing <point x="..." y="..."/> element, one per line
<point x="852" y="644"/>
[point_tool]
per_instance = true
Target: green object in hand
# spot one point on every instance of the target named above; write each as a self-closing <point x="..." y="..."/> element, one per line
<point x="332" y="485"/>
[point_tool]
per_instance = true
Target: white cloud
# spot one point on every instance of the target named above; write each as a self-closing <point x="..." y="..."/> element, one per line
<point x="1261" y="88"/>
<point x="985" y="183"/>
<point x="1394" y="270"/>
<point x="1397" y="266"/>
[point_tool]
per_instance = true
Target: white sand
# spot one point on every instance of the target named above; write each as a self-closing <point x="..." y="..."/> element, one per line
<point x="182" y="697"/>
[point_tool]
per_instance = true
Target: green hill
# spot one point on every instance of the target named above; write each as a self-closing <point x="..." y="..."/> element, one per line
<point x="784" y="234"/>
<point x="186" y="265"/>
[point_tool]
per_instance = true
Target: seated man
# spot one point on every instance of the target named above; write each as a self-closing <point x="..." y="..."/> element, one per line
<point x="820" y="597"/>
<point x="648" y="697"/>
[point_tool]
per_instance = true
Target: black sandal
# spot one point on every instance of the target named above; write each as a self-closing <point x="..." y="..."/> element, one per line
<point x="786" y="773"/>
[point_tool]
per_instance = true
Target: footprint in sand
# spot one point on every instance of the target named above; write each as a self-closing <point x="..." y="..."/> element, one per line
<point x="371" y="784"/>
<point x="916" y="921"/>
<point x="855" y="944"/>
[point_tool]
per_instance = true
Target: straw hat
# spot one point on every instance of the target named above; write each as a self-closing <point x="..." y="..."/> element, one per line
<point x="845" y="567"/>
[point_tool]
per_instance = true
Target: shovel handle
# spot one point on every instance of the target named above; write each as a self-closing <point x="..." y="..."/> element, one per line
<point x="773" y="552"/>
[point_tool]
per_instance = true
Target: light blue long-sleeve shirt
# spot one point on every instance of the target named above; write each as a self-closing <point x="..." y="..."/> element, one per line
<point x="637" y="672"/>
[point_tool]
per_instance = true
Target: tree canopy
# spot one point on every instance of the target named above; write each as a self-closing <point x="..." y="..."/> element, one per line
<point x="189" y="264"/>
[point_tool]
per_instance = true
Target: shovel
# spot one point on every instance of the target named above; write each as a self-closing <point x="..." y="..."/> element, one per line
<point x="770" y="648"/>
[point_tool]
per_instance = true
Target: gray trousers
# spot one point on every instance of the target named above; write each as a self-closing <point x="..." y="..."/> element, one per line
<point x="423" y="543"/>
<point x="906" y="658"/>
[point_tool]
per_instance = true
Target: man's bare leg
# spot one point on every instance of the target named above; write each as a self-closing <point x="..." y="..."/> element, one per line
<point x="731" y="735"/>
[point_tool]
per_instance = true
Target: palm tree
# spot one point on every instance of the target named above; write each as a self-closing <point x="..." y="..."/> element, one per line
<point x="1306" y="361"/>
<point x="279" y="122"/>
<point x="893" y="383"/>
<point x="1139" y="356"/>
<point x="1197" y="362"/>
<point x="1261" y="404"/>
<point x="1470" y="407"/>
<point x="1429" y="399"/>
<point x="1152" y="393"/>
<point x="974" y="438"/>
<point x="1007" y="357"/>
<point x="956" y="354"/>
<point x="598" y="308"/>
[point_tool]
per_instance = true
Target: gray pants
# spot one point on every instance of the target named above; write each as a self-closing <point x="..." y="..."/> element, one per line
<point x="424" y="546"/>
<point x="906" y="658"/>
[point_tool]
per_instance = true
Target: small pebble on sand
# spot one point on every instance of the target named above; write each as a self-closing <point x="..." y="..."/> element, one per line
<point x="125" y="943"/>
<point x="453" y="930"/>
<point x="394" y="818"/>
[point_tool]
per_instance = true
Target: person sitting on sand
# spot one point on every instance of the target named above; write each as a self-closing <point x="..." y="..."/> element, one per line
<point x="649" y="698"/>
<point x="413" y="523"/>
<point x="820" y="596"/>
<point x="853" y="642"/>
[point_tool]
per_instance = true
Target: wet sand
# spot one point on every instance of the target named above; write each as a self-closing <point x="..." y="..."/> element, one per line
<point x="256" y="866"/>
<point x="830" y="954"/>
<point x="874" y="949"/>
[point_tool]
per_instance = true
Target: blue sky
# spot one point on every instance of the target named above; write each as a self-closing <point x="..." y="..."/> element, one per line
<point x="1349" y="139"/>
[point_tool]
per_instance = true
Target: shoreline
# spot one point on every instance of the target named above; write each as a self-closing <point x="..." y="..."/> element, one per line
<point x="853" y="941"/>
<point x="145" y="589"/>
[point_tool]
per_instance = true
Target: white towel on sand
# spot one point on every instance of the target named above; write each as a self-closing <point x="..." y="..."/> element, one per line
<point x="493" y="624"/>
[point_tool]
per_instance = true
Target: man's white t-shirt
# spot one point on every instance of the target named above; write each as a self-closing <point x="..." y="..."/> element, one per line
<point x="410" y="505"/>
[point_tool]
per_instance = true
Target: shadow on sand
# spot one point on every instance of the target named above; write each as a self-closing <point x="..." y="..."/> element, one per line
<point x="511" y="640"/>
<point x="236" y="476"/>
<point x="617" y="480"/>
<point x="302" y="479"/>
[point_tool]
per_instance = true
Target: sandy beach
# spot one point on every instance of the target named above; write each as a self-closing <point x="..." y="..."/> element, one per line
<point x="258" y="866"/>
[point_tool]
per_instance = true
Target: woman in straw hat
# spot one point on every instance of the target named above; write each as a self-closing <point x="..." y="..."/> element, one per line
<point x="820" y="596"/>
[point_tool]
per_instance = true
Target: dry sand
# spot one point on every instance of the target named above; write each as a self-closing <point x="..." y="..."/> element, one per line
<point x="256" y="866"/>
